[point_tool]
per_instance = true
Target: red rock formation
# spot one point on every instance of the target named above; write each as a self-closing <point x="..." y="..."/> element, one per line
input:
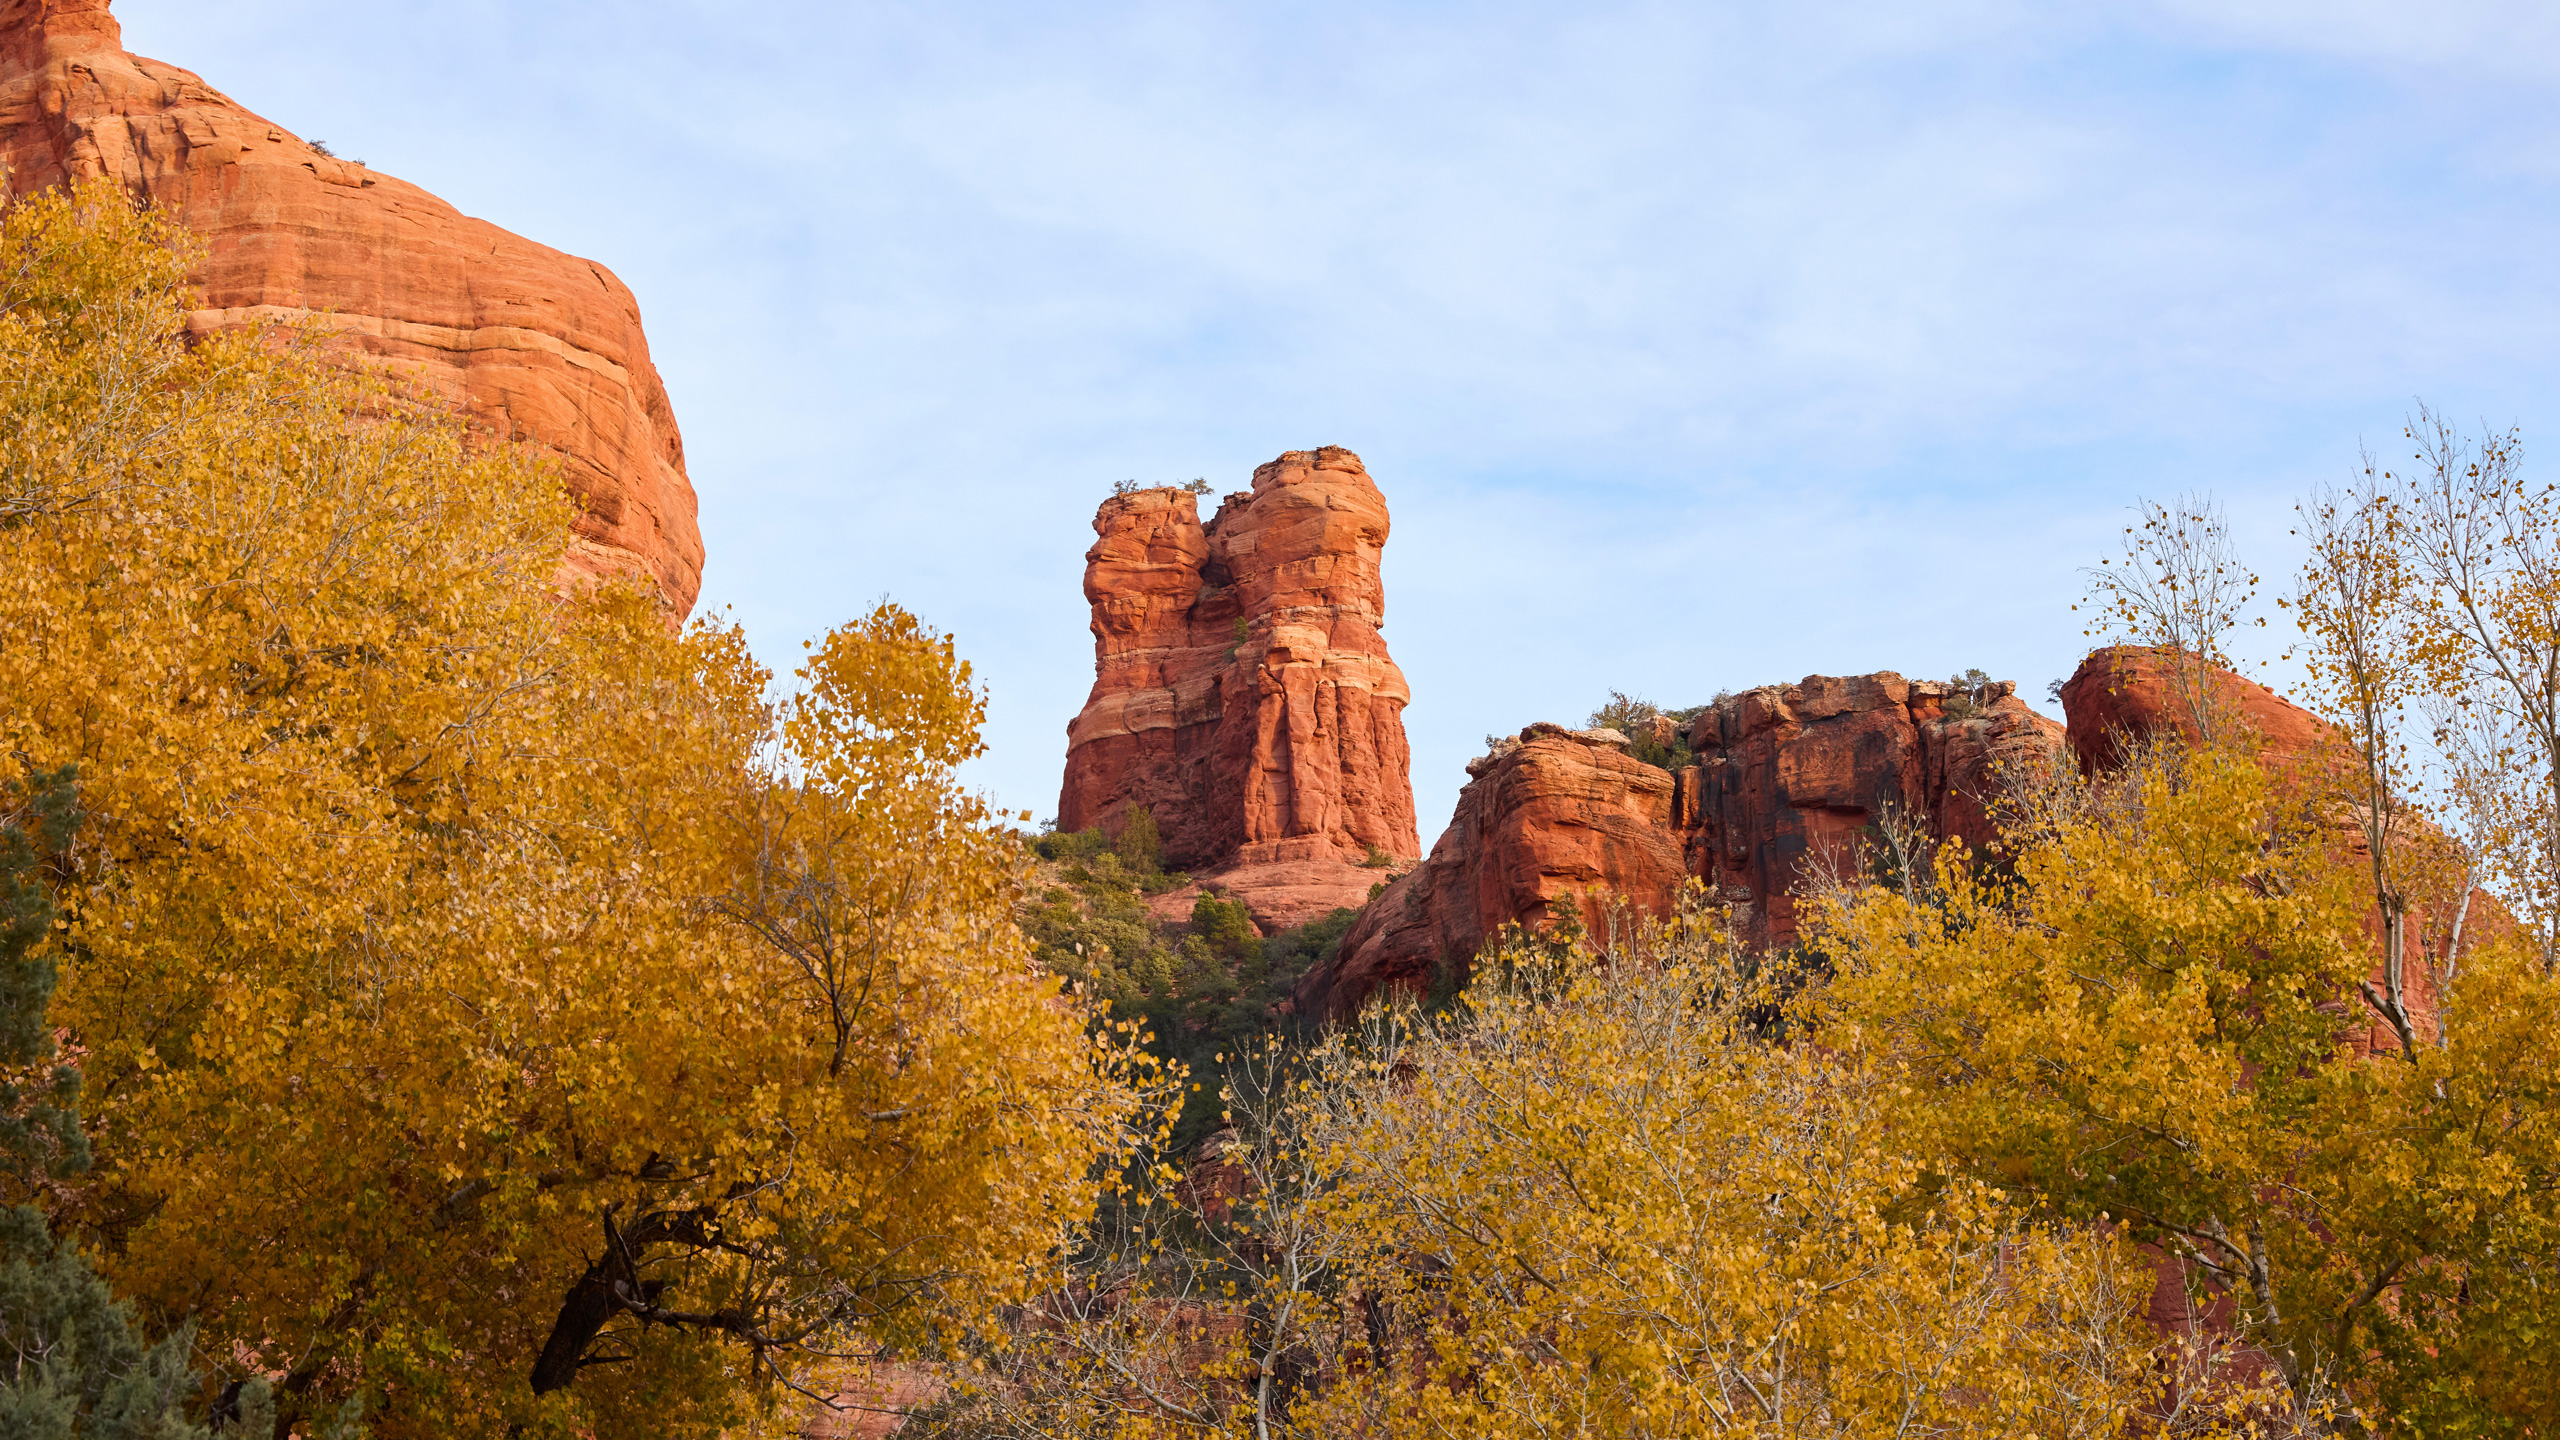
<point x="534" y="344"/>
<point x="1242" y="692"/>
<point x="2130" y="692"/>
<point x="1561" y="814"/>
<point x="1785" y="776"/>
<point x="1789" y="775"/>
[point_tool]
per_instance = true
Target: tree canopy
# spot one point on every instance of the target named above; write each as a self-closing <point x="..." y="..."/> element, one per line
<point x="491" y="1000"/>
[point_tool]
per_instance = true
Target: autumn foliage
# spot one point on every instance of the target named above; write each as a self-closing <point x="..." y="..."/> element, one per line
<point x="443" y="995"/>
<point x="491" y="1003"/>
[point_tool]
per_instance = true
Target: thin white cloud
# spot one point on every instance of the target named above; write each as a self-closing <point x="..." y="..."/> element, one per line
<point x="1694" y="345"/>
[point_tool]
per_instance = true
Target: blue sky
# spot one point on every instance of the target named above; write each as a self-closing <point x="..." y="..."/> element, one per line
<point x="1694" y="346"/>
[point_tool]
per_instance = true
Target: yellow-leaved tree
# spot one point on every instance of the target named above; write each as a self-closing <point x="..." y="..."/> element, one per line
<point x="491" y="1003"/>
<point x="2150" y="1016"/>
<point x="1597" y="1199"/>
<point x="1594" y="1197"/>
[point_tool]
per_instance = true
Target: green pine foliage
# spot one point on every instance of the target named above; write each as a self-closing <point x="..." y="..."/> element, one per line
<point x="1205" y="988"/>
<point x="40" y="1134"/>
<point x="1139" y="845"/>
<point x="1965" y="693"/>
<point x="1629" y="715"/>
<point x="74" y="1363"/>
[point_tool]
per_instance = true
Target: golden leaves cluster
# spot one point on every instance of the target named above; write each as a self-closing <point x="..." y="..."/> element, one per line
<point x="1601" y="1200"/>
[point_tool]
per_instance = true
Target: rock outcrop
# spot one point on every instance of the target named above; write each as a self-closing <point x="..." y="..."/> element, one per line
<point x="534" y="344"/>
<point x="1242" y="692"/>
<point x="1561" y="814"/>
<point x="1787" y="777"/>
<point x="2129" y="693"/>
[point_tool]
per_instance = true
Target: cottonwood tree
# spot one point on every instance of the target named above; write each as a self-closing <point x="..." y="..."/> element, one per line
<point x="2139" y="1023"/>
<point x="1593" y="1199"/>
<point x="2480" y="543"/>
<point x="1203" y="1301"/>
<point x="437" y="1048"/>
<point x="2352" y="603"/>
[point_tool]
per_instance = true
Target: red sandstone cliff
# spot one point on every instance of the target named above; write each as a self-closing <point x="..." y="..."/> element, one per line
<point x="1241" y="689"/>
<point x="1788" y="775"/>
<point x="1785" y="774"/>
<point x="1561" y="814"/>
<point x="534" y="344"/>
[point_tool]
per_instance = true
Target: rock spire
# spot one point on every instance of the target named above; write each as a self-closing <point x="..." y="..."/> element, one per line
<point x="1242" y="691"/>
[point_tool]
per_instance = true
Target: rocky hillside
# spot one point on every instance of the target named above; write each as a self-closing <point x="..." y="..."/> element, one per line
<point x="534" y="344"/>
<point x="1785" y="777"/>
<point x="1242" y="692"/>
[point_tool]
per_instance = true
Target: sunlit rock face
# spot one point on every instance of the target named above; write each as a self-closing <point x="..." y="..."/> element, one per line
<point x="532" y="344"/>
<point x="2127" y="693"/>
<point x="1788" y="777"/>
<point x="1242" y="691"/>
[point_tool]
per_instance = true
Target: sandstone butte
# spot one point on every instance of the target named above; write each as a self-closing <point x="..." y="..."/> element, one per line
<point x="1242" y="691"/>
<point x="530" y="343"/>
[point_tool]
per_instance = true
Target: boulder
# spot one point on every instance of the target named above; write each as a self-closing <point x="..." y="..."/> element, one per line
<point x="1242" y="691"/>
<point x="531" y="344"/>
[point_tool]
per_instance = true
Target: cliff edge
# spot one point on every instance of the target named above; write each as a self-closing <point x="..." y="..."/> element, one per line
<point x="536" y="345"/>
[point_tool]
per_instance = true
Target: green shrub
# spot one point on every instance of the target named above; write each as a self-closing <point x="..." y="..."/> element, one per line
<point x="1139" y="846"/>
<point x="1966" y="693"/>
<point x="1201" y="989"/>
<point x="1068" y="846"/>
<point x="1633" y="718"/>
<point x="1224" y="926"/>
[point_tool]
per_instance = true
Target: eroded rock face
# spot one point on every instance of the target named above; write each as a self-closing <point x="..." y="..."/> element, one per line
<point x="1242" y="691"/>
<point x="1787" y="777"/>
<point x="536" y="345"/>
<point x="1561" y="814"/>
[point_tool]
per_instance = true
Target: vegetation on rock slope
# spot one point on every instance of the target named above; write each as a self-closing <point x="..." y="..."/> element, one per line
<point x="493" y="1012"/>
<point x="1203" y="989"/>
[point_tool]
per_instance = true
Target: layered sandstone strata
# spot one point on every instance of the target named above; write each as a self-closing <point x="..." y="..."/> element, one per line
<point x="1242" y="691"/>
<point x="533" y="344"/>
<point x="1787" y="778"/>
